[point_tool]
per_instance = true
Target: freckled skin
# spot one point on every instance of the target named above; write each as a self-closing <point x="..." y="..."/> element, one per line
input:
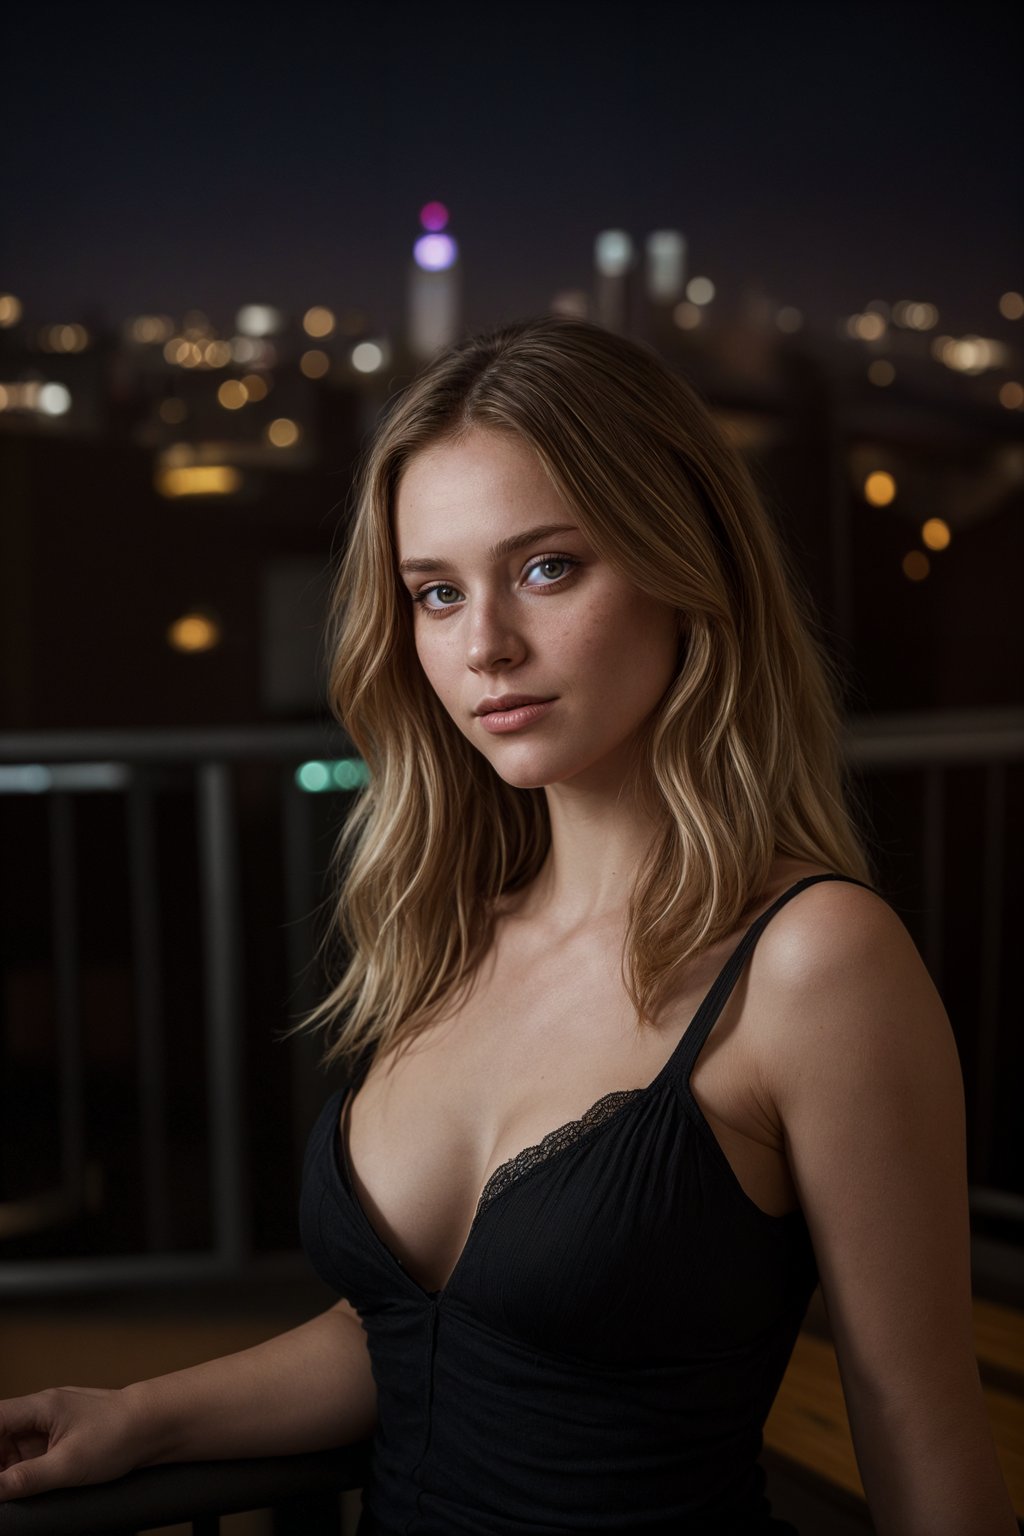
<point x="584" y="635"/>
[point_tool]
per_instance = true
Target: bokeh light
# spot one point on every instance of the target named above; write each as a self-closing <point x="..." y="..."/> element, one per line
<point x="54" y="399"/>
<point x="916" y="565"/>
<point x="194" y="632"/>
<point x="259" y="320"/>
<point x="700" y="290"/>
<point x="613" y="252"/>
<point x="256" y="386"/>
<point x="197" y="480"/>
<point x="435" y="253"/>
<point x="935" y="533"/>
<point x="314" y="364"/>
<point x="282" y="432"/>
<point x="687" y="316"/>
<point x="318" y="321"/>
<point x="433" y="216"/>
<point x="367" y="357"/>
<point x="232" y="394"/>
<point x="880" y="488"/>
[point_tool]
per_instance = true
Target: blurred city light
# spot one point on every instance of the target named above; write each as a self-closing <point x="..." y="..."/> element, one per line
<point x="256" y="386"/>
<point x="571" y="301"/>
<point x="869" y="326"/>
<point x="10" y="310"/>
<point x="881" y="372"/>
<point x="789" y="319"/>
<point x="914" y="317"/>
<point x="259" y="320"/>
<point x="150" y="328"/>
<point x="1011" y="306"/>
<point x="232" y="394"/>
<point x="343" y="773"/>
<point x="1011" y="395"/>
<point x="367" y="357"/>
<point x="936" y="534"/>
<point x="314" y="364"/>
<point x="318" y="321"/>
<point x="282" y="432"/>
<point x="700" y="290"/>
<point x="613" y="252"/>
<point x="916" y="565"/>
<point x="313" y="777"/>
<point x="970" y="354"/>
<point x="173" y="411"/>
<point x="880" y="488"/>
<point x="244" y="349"/>
<point x="54" y="399"/>
<point x="194" y="632"/>
<point x="687" y="316"/>
<point x="435" y="253"/>
<point x="433" y="216"/>
<point x="197" y="480"/>
<point x="665" y="250"/>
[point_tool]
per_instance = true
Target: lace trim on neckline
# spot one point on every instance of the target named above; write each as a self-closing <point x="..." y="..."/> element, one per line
<point x="563" y="1136"/>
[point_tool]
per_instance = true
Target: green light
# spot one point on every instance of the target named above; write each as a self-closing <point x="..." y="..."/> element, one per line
<point x="345" y="773"/>
<point x="313" y="777"/>
<point x="350" y="773"/>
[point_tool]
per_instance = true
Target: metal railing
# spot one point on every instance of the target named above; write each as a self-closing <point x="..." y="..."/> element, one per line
<point x="64" y="767"/>
<point x="301" y="1491"/>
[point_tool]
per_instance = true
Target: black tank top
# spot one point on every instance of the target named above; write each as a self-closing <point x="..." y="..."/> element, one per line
<point x="606" y="1350"/>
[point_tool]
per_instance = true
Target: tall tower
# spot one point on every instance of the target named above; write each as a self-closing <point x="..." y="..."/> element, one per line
<point x="435" y="285"/>
<point x="613" y="260"/>
<point x="664" y="280"/>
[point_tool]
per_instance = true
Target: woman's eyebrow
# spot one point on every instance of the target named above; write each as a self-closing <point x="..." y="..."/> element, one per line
<point x="497" y="551"/>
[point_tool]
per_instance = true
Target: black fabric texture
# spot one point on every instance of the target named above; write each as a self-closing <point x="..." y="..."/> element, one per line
<point x="608" y="1346"/>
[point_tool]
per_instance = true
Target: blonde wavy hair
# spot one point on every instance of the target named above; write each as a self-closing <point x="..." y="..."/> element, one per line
<point x="741" y="761"/>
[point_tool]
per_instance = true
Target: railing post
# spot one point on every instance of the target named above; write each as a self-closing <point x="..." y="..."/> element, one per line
<point x="144" y="876"/>
<point x="218" y="870"/>
<point x="64" y="907"/>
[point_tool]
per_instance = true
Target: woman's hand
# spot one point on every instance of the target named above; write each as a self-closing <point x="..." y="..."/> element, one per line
<point x="64" y="1437"/>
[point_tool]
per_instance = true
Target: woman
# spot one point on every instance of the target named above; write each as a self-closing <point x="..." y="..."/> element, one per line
<point x="635" y="1054"/>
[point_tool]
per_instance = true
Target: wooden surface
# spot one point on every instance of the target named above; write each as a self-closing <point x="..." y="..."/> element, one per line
<point x="808" y="1422"/>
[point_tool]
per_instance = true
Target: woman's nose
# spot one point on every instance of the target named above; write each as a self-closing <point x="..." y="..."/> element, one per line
<point x="493" y="638"/>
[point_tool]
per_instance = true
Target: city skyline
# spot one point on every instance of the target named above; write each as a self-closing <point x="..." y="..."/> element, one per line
<point x="820" y="160"/>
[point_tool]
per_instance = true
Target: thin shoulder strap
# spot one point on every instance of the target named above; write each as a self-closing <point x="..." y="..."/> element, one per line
<point x="718" y="993"/>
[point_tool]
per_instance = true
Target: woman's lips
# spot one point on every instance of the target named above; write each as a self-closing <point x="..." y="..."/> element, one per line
<point x="498" y="721"/>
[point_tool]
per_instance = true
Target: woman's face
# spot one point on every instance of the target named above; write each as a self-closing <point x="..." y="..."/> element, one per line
<point x="513" y="599"/>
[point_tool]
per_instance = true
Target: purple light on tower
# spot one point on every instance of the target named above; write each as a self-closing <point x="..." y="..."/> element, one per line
<point x="433" y="216"/>
<point x="435" y="253"/>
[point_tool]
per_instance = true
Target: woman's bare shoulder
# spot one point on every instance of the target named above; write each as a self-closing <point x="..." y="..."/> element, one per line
<point x="845" y="983"/>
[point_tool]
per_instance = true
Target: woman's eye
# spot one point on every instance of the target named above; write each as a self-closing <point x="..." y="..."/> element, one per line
<point x="539" y="565"/>
<point x="441" y="590"/>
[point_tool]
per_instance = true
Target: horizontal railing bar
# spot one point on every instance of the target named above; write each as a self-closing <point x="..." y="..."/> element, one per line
<point x="37" y="1277"/>
<point x="41" y="778"/>
<point x="224" y="743"/>
<point x="168" y="1495"/>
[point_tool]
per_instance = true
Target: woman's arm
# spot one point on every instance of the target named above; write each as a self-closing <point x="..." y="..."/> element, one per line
<point x="861" y="1071"/>
<point x="305" y="1390"/>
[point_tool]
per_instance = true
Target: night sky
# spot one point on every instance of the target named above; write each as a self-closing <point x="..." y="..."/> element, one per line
<point x="164" y="157"/>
